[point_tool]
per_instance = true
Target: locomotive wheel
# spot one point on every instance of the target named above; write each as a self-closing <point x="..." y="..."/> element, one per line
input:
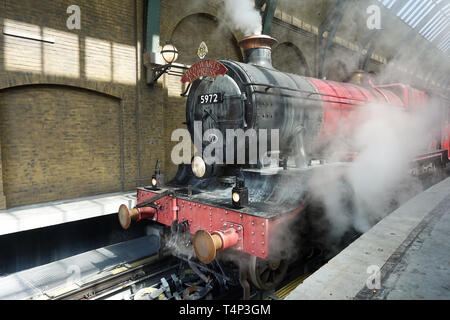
<point x="266" y="274"/>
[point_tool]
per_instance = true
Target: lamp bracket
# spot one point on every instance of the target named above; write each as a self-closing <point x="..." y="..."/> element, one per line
<point x="159" y="71"/>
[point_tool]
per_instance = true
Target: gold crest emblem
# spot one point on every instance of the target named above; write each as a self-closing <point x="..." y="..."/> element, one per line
<point x="202" y="50"/>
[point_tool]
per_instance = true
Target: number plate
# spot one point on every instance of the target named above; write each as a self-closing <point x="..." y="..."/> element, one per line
<point x="210" y="98"/>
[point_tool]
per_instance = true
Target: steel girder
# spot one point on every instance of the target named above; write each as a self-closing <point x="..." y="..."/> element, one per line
<point x="153" y="20"/>
<point x="268" y="13"/>
<point x="329" y="25"/>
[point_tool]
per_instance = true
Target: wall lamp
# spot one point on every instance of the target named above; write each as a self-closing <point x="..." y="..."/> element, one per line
<point x="170" y="55"/>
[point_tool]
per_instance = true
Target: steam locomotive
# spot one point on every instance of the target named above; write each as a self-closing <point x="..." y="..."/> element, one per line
<point x="236" y="206"/>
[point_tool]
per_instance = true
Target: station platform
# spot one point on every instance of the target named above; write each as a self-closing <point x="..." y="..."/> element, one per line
<point x="53" y="279"/>
<point x="53" y="213"/>
<point x="410" y="248"/>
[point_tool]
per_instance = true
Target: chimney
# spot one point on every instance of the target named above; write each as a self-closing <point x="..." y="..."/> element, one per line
<point x="258" y="50"/>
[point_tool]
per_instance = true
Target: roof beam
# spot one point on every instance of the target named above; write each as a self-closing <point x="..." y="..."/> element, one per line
<point x="153" y="20"/>
<point x="259" y="3"/>
<point x="330" y="25"/>
<point x="370" y="44"/>
<point x="267" y="14"/>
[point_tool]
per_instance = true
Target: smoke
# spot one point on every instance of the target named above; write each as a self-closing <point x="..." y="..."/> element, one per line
<point x="359" y="194"/>
<point x="243" y="16"/>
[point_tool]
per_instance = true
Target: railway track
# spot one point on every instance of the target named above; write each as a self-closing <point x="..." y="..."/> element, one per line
<point x="112" y="280"/>
<point x="155" y="278"/>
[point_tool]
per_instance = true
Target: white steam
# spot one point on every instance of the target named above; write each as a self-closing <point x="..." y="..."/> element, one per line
<point x="387" y="143"/>
<point x="243" y="16"/>
<point x="360" y="194"/>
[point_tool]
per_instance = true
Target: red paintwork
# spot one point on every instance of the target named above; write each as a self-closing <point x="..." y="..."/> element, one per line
<point x="341" y="100"/>
<point x="167" y="212"/>
<point x="410" y="96"/>
<point x="446" y="137"/>
<point x="229" y="237"/>
<point x="146" y="213"/>
<point x="253" y="232"/>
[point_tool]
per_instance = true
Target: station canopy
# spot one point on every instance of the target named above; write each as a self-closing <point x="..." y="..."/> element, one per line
<point x="430" y="18"/>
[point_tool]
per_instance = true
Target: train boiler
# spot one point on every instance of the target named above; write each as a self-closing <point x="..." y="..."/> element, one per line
<point x="238" y="204"/>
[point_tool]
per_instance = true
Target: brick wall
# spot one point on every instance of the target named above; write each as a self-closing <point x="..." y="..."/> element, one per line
<point x="93" y="145"/>
<point x="58" y="143"/>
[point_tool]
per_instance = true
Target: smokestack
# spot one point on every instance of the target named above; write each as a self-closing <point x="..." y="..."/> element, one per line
<point x="258" y="50"/>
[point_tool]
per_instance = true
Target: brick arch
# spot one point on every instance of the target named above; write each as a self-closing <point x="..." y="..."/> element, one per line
<point x="287" y="57"/>
<point x="59" y="142"/>
<point x="206" y="7"/>
<point x="190" y="31"/>
<point x="111" y="91"/>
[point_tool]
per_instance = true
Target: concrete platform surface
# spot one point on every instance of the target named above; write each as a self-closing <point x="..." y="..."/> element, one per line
<point x="405" y="256"/>
<point x="75" y="270"/>
<point x="53" y="213"/>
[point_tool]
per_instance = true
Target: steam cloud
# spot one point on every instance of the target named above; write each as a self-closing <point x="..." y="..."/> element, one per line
<point x="359" y="195"/>
<point x="242" y="15"/>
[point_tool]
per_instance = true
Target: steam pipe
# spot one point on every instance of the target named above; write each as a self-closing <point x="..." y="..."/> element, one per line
<point x="153" y="16"/>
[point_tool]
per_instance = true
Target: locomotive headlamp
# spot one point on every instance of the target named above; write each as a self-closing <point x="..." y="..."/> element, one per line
<point x="239" y="194"/>
<point x="156" y="178"/>
<point x="154" y="182"/>
<point x="203" y="169"/>
<point x="198" y="167"/>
